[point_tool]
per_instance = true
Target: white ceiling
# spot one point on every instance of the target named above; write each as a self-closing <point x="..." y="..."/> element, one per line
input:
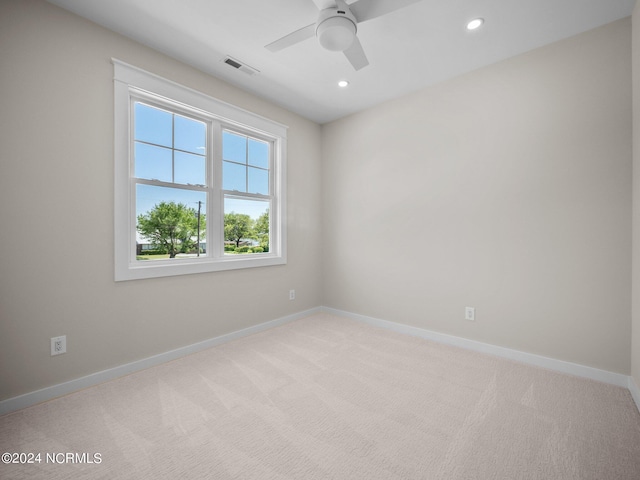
<point x="409" y="49"/>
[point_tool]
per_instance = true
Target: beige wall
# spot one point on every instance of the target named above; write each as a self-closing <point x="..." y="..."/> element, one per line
<point x="56" y="209"/>
<point x="507" y="189"/>
<point x="635" y="347"/>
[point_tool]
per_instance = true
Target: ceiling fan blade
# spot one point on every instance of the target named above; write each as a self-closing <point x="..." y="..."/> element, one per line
<point x="323" y="4"/>
<point x="293" y="38"/>
<point x="356" y="56"/>
<point x="365" y="10"/>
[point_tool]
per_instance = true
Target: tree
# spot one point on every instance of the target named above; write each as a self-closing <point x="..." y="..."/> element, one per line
<point x="171" y="227"/>
<point x="261" y="230"/>
<point x="237" y="226"/>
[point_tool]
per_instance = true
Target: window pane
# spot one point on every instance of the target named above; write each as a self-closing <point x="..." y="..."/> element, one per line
<point x="258" y="153"/>
<point x="258" y="181"/>
<point x="152" y="163"/>
<point x="167" y="223"/>
<point x="234" y="177"/>
<point x="189" y="169"/>
<point x="153" y="125"/>
<point x="190" y="135"/>
<point x="246" y="226"/>
<point x="234" y="147"/>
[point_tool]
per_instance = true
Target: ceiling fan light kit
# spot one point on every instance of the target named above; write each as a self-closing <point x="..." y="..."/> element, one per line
<point x="336" y="33"/>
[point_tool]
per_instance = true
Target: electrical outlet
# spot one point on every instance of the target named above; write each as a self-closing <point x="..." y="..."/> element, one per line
<point x="292" y="294"/>
<point x="58" y="345"/>
<point x="470" y="314"/>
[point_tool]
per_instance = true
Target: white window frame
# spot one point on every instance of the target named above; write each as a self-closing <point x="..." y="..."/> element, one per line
<point x="132" y="83"/>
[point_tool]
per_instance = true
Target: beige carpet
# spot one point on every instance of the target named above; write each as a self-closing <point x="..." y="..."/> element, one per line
<point x="330" y="398"/>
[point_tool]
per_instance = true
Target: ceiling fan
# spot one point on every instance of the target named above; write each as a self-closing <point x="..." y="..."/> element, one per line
<point x="337" y="25"/>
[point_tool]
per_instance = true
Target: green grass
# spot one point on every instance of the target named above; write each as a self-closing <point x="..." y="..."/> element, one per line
<point x="152" y="257"/>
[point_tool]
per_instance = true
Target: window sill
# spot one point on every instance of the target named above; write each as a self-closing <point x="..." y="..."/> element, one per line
<point x="174" y="267"/>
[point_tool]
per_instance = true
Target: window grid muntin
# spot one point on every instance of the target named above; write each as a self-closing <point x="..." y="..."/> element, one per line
<point x="248" y="136"/>
<point x="173" y="112"/>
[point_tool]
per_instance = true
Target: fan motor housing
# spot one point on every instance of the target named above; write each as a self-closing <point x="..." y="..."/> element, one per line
<point x="336" y="29"/>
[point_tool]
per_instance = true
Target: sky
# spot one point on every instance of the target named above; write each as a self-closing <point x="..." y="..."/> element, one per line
<point x="172" y="148"/>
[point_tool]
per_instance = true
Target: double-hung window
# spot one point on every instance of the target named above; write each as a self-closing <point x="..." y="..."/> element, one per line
<point x="199" y="184"/>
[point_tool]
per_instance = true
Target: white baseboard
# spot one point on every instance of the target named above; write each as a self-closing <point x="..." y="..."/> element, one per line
<point x="523" y="357"/>
<point x="48" y="393"/>
<point x="635" y="392"/>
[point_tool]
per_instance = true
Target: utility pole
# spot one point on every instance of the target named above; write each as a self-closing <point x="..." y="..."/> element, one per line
<point x="198" y="246"/>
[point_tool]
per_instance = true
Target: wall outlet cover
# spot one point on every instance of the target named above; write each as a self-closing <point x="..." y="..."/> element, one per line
<point x="58" y="345"/>
<point x="470" y="314"/>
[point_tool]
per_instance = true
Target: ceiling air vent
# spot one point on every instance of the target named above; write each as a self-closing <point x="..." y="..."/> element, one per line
<point x="240" y="66"/>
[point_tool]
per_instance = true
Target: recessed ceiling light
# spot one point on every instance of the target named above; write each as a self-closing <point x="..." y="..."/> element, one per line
<point x="343" y="83"/>
<point x="476" y="23"/>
